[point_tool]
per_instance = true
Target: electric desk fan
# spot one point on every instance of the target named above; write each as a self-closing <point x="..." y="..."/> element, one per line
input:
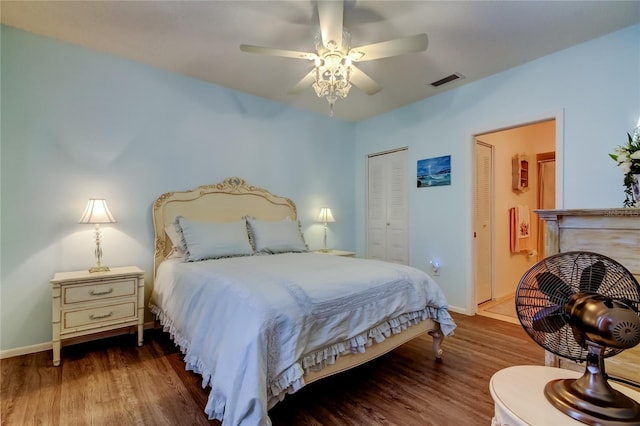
<point x="583" y="306"/>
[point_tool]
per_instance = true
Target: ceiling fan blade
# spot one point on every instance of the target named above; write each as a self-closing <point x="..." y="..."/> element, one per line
<point x="363" y="82"/>
<point x="554" y="288"/>
<point x="330" y="15"/>
<point x="385" y="49"/>
<point x="592" y="277"/>
<point x="278" y="52"/>
<point x="306" y="81"/>
<point x="549" y="320"/>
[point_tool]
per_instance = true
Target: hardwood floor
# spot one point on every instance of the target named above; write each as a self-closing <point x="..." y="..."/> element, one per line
<point x="115" y="382"/>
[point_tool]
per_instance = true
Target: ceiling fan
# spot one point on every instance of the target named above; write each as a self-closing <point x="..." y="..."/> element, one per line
<point x="334" y="71"/>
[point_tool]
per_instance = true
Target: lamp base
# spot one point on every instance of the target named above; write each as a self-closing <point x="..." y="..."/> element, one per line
<point x="99" y="269"/>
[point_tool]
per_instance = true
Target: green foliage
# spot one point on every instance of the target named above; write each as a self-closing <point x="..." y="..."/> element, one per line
<point x="628" y="159"/>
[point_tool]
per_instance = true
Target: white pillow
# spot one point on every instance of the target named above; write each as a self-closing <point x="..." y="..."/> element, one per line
<point x="174" y="236"/>
<point x="177" y="246"/>
<point x="212" y="240"/>
<point x="276" y="236"/>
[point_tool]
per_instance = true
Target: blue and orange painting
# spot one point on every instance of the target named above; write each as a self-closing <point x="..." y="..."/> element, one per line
<point x="434" y="171"/>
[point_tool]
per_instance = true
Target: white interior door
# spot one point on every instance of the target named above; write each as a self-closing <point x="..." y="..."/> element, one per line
<point x="483" y="233"/>
<point x="397" y="214"/>
<point x="377" y="209"/>
<point x="387" y="225"/>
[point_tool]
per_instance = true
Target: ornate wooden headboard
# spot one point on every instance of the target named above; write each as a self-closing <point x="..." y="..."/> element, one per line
<point x="227" y="201"/>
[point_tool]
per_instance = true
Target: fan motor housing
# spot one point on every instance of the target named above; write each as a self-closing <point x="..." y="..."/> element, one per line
<point x="604" y="321"/>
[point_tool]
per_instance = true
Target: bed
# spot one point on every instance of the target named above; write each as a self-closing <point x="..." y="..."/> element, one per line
<point x="261" y="321"/>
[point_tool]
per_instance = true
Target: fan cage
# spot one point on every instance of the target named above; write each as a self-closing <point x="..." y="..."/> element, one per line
<point x="616" y="282"/>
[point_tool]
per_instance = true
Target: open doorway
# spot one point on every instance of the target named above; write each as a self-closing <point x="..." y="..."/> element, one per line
<point x="520" y="179"/>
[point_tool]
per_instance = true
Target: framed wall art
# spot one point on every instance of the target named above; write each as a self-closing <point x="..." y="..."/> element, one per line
<point x="434" y="171"/>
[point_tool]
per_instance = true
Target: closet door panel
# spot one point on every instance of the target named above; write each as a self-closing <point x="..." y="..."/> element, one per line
<point x="397" y="235"/>
<point x="387" y="229"/>
<point x="377" y="209"/>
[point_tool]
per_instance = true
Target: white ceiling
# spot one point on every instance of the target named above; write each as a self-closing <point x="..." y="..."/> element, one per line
<point x="201" y="39"/>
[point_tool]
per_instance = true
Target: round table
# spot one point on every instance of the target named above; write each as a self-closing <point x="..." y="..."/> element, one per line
<point x="518" y="395"/>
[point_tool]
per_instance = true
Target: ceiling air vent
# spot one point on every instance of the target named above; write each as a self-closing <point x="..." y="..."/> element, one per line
<point x="447" y="79"/>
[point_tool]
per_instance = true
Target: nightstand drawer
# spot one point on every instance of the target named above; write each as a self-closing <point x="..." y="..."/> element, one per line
<point x="106" y="290"/>
<point x="96" y="316"/>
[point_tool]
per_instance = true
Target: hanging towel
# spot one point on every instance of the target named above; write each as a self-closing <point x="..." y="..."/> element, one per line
<point x="523" y="221"/>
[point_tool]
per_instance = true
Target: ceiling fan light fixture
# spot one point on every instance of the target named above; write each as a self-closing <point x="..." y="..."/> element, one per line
<point x="333" y="72"/>
<point x="332" y="69"/>
<point x="332" y="46"/>
<point x="332" y="77"/>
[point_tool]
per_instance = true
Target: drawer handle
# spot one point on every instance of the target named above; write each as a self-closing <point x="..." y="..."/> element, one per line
<point x="100" y="293"/>
<point x="97" y="317"/>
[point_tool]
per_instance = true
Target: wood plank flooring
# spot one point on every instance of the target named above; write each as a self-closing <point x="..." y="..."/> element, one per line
<point x="115" y="382"/>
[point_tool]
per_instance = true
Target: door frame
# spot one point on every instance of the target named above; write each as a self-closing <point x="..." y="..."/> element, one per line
<point x="558" y="116"/>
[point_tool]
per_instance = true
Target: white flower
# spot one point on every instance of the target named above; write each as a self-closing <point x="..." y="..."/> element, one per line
<point x="627" y="158"/>
<point x="625" y="167"/>
<point x="619" y="150"/>
<point x="623" y="157"/>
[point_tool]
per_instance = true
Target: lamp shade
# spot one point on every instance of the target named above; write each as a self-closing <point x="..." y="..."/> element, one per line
<point x="97" y="212"/>
<point x="325" y="215"/>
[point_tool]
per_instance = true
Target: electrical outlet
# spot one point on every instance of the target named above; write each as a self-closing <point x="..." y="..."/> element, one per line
<point x="435" y="267"/>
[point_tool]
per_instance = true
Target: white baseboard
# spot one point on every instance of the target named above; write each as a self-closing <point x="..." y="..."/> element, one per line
<point x="25" y="350"/>
<point x="47" y="346"/>
<point x="459" y="310"/>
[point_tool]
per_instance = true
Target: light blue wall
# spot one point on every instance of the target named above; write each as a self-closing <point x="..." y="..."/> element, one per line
<point x="594" y="87"/>
<point x="78" y="124"/>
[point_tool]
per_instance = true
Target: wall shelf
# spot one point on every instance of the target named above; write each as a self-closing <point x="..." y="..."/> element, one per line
<point x="520" y="173"/>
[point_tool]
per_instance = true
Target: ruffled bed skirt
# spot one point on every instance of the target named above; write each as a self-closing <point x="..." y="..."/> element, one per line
<point x="292" y="379"/>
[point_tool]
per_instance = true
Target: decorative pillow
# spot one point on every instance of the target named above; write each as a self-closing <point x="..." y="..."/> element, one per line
<point x="177" y="247"/>
<point x="213" y="240"/>
<point x="249" y="233"/>
<point x="174" y="236"/>
<point x="276" y="236"/>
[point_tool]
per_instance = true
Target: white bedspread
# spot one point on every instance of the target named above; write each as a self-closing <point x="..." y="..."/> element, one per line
<point x="251" y="325"/>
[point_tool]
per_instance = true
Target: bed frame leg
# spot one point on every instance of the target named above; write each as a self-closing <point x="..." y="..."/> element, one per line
<point x="438" y="337"/>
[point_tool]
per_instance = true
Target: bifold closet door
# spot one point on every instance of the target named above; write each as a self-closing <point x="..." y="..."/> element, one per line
<point x="387" y="208"/>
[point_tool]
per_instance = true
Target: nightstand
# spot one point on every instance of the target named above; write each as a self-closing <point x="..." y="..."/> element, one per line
<point x="85" y="303"/>
<point x="337" y="253"/>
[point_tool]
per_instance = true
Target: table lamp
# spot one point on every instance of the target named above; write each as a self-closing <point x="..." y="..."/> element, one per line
<point x="325" y="217"/>
<point x="96" y="213"/>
